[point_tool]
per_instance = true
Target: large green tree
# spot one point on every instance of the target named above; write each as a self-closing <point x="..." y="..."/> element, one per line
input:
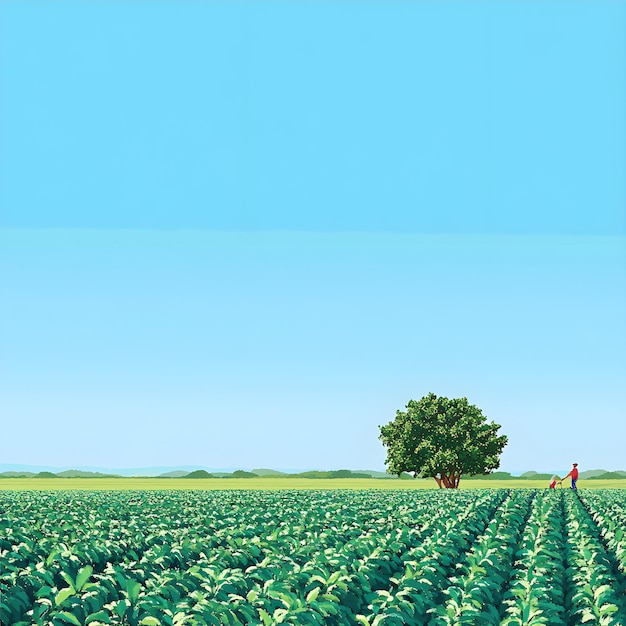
<point x="442" y="438"/>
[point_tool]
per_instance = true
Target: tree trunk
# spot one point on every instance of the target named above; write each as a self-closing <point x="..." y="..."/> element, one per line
<point x="449" y="481"/>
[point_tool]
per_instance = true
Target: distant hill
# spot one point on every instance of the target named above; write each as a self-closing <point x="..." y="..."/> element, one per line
<point x="591" y="473"/>
<point x="84" y="474"/>
<point x="609" y="476"/>
<point x="586" y="475"/>
<point x="492" y="476"/>
<point x="375" y="474"/>
<point x="16" y="475"/>
<point x="198" y="474"/>
<point x="537" y="475"/>
<point x="267" y="472"/>
<point x="128" y="472"/>
<point x="333" y="474"/>
<point x="242" y="474"/>
<point x="182" y="471"/>
<point x="65" y="474"/>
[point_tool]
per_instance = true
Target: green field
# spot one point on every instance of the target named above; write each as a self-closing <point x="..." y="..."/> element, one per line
<point x="326" y="557"/>
<point x="272" y="484"/>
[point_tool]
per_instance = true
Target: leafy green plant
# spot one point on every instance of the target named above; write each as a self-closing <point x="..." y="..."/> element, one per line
<point x="316" y="557"/>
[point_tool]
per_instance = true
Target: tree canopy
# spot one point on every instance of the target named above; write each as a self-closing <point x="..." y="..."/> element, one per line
<point x="442" y="438"/>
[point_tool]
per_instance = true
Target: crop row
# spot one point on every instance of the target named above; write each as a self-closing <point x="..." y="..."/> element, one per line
<point x="597" y="588"/>
<point x="125" y="559"/>
<point x="608" y="510"/>
<point x="333" y="558"/>
<point x="536" y="590"/>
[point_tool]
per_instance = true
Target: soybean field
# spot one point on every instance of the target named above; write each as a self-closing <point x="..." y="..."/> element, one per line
<point x="491" y="556"/>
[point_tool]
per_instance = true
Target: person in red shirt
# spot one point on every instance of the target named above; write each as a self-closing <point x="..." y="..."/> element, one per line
<point x="574" y="474"/>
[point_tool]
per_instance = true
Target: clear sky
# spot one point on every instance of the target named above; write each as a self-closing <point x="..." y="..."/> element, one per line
<point x="243" y="234"/>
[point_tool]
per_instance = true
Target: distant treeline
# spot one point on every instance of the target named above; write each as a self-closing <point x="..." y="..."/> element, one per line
<point x="311" y="474"/>
<point x="342" y="473"/>
<point x="589" y="475"/>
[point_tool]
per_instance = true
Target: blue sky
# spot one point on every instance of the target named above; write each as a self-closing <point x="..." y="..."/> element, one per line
<point x="242" y="234"/>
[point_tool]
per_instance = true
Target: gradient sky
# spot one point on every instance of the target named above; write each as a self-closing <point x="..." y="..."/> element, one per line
<point x="243" y="234"/>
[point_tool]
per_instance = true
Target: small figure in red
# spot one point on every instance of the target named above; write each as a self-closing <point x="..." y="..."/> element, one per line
<point x="574" y="474"/>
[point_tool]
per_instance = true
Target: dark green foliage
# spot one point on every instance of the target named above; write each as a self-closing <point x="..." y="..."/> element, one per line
<point x="442" y="438"/>
<point x="244" y="474"/>
<point x="369" y="558"/>
<point x="45" y="475"/>
<point x="536" y="592"/>
<point x="198" y="474"/>
<point x="343" y="473"/>
<point x="311" y="474"/>
<point x="596" y="577"/>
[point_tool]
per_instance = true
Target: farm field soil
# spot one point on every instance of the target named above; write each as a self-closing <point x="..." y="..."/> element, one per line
<point x="329" y="557"/>
<point x="274" y="484"/>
